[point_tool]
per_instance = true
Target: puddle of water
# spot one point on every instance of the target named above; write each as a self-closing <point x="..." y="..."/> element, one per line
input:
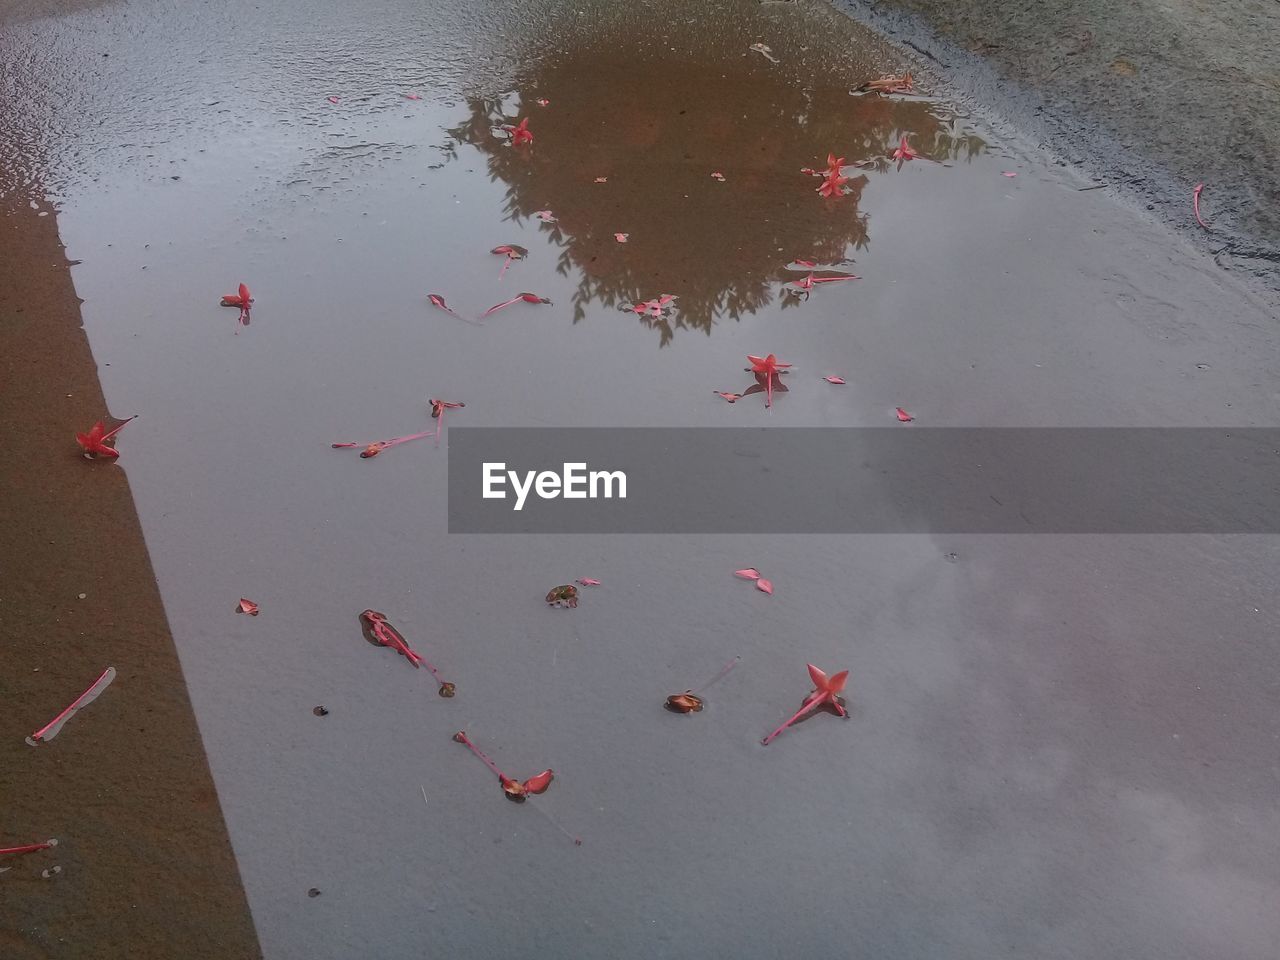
<point x="343" y="217"/>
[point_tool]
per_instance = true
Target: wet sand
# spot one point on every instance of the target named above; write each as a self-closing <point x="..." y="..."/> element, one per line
<point x="125" y="788"/>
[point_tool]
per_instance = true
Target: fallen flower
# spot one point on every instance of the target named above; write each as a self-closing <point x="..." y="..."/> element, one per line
<point x="588" y="581"/>
<point x="808" y="283"/>
<point x="689" y="701"/>
<point x="247" y="606"/>
<point x="526" y="297"/>
<point x="565" y="595"/>
<point x="889" y="84"/>
<point x="520" y="132"/>
<point x="512" y="252"/>
<point x="731" y="397"/>
<point x="243" y="300"/>
<point x="903" y="415"/>
<point x="546" y="216"/>
<point x="904" y="151"/>
<point x="833" y="185"/>
<point x="412" y="96"/>
<point x="826" y="690"/>
<point x="839" y="381"/>
<point x="1195" y="204"/>
<point x="767" y="371"/>
<point x="1007" y="173"/>
<point x="95" y="441"/>
<point x="379" y="631"/>
<point x="764" y="51"/>
<point x="654" y="308"/>
<point x="621" y="237"/>
<point x="27" y="848"/>
<point x="52" y="728"/>
<point x="333" y="100"/>
<point x="375" y="448"/>
<point x="717" y="175"/>
<point x="834" y="165"/>
<point x="514" y="789"/>
<point x="437" y="301"/>
<point x="438" y="407"/>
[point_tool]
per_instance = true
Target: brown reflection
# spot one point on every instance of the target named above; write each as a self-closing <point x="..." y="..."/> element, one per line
<point x="658" y="136"/>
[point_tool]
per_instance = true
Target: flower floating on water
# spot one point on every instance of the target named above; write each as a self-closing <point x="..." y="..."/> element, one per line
<point x="826" y="690"/>
<point x="565" y="596"/>
<point x="514" y="789"/>
<point x="240" y="299"/>
<point x="520" y="132"/>
<point x="767" y="370"/>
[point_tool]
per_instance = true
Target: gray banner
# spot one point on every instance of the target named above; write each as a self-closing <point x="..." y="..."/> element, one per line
<point x="864" y="480"/>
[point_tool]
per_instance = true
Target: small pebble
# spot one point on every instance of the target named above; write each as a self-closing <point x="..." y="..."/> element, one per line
<point x="313" y="892"/>
<point x="320" y="712"/>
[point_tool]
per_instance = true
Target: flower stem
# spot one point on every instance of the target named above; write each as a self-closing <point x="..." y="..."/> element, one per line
<point x="50" y="730"/>
<point x="462" y="738"/>
<point x="724" y="672"/>
<point x="28" y="848"/>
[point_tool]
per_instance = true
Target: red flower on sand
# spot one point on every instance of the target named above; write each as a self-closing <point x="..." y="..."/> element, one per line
<point x="95" y="441"/>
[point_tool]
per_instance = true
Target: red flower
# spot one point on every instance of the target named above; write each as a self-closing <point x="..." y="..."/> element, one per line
<point x="833" y="185"/>
<point x="767" y="370"/>
<point x="826" y="690"/>
<point x="514" y="789"/>
<point x="904" y="151"/>
<point x="242" y="299"/>
<point x="95" y="441"/>
<point x="526" y="297"/>
<point x="519" y="132"/>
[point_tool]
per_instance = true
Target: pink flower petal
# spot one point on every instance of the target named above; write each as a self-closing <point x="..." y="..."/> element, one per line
<point x="731" y="397"/>
<point x="247" y="606"/>
<point x="903" y="415"/>
<point x="602" y="179"/>
<point x="717" y="175"/>
<point x="765" y="586"/>
<point x="750" y="573"/>
<point x="589" y="581"/>
<point x="621" y="237"/>
<point x="333" y="100"/>
<point x="837" y="380"/>
<point x="542" y="102"/>
<point x="1007" y="173"/>
<point x="412" y="96"/>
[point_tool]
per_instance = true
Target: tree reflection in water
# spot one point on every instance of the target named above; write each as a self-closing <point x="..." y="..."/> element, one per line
<point x="658" y="136"/>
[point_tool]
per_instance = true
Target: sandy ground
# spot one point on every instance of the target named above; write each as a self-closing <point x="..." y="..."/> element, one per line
<point x="1150" y="97"/>
<point x="126" y="782"/>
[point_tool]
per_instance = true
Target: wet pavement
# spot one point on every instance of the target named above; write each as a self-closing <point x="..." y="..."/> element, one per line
<point x="1058" y="746"/>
